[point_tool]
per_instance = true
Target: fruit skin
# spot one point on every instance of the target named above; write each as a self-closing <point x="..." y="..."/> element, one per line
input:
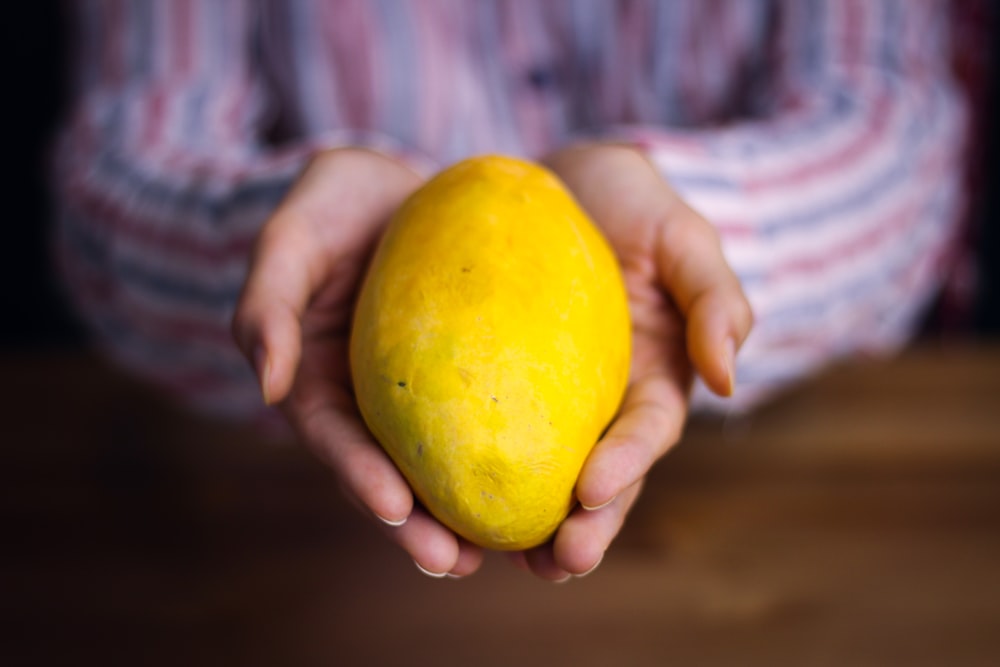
<point x="491" y="347"/>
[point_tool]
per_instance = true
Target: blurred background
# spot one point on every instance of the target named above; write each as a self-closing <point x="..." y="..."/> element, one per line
<point x="854" y="522"/>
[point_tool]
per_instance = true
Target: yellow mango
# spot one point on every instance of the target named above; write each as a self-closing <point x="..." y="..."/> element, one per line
<point x="490" y="348"/>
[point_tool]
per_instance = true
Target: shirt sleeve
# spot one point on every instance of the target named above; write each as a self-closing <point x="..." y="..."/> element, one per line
<point x="838" y="201"/>
<point x="163" y="179"/>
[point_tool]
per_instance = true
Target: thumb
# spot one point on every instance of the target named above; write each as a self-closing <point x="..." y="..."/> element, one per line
<point x="331" y="216"/>
<point x="692" y="265"/>
<point x="267" y="322"/>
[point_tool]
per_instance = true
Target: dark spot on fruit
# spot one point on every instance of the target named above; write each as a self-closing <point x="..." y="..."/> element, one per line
<point x="401" y="383"/>
<point x="420" y="449"/>
<point x="466" y="269"/>
<point x="495" y="400"/>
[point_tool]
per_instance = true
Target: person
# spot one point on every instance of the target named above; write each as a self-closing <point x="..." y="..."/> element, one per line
<point x="227" y="167"/>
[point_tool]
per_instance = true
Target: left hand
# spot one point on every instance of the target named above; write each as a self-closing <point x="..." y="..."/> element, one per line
<point x="689" y="314"/>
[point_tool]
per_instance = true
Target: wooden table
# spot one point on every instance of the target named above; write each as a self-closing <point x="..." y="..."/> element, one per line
<point x="854" y="522"/>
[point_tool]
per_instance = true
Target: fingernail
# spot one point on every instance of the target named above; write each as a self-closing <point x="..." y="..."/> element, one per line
<point x="433" y="575"/>
<point x="263" y="367"/>
<point x="390" y="522"/>
<point x="729" y="363"/>
<point x="563" y="580"/>
<point x="592" y="568"/>
<point x="593" y="508"/>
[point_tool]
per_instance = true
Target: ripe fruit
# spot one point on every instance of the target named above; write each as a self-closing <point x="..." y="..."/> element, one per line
<point x="490" y="348"/>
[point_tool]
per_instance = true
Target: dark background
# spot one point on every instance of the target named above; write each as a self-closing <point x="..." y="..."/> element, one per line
<point x="34" y="53"/>
<point x="35" y="315"/>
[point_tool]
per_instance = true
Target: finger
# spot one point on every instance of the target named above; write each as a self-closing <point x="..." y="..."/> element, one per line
<point x="339" y="439"/>
<point x="650" y="422"/>
<point x="435" y="550"/>
<point x="543" y="564"/>
<point x="692" y="266"/>
<point x="585" y="536"/>
<point x="470" y="558"/>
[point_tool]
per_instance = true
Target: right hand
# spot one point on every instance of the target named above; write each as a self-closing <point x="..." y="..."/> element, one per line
<point x="293" y="323"/>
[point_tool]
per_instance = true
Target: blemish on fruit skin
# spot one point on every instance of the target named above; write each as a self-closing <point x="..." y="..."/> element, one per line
<point x="494" y="398"/>
<point x="420" y="449"/>
<point x="401" y="383"/>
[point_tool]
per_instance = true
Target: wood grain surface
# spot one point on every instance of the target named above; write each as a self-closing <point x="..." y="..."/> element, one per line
<point x="854" y="521"/>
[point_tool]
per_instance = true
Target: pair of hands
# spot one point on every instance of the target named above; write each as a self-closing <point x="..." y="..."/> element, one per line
<point x="293" y="322"/>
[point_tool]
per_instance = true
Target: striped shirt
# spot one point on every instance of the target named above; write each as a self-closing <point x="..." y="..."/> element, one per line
<point x="823" y="138"/>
